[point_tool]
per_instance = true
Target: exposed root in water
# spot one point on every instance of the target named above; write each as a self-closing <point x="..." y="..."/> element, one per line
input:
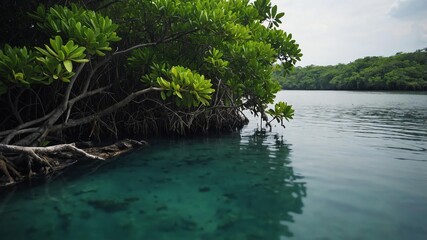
<point x="18" y="163"/>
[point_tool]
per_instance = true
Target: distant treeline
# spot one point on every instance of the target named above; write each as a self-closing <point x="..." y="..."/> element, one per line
<point x="403" y="71"/>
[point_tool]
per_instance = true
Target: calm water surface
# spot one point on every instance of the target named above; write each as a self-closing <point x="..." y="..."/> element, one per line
<point x="351" y="165"/>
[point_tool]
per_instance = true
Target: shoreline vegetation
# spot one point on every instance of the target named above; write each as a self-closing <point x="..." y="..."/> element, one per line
<point x="101" y="71"/>
<point x="401" y="72"/>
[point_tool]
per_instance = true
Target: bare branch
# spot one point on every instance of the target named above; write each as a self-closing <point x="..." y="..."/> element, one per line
<point x="112" y="108"/>
<point x="13" y="107"/>
<point x="71" y="84"/>
<point x="85" y="94"/>
<point x="165" y="40"/>
<point x="135" y="47"/>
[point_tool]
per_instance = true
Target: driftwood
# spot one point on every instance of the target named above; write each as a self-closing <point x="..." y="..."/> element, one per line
<point x="18" y="163"/>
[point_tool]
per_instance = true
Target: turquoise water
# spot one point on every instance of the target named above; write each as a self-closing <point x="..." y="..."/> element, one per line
<point x="351" y="165"/>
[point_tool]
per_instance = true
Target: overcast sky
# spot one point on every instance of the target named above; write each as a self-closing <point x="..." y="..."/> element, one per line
<point x="340" y="31"/>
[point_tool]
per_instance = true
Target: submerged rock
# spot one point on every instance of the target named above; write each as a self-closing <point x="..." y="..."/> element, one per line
<point x="131" y="199"/>
<point x="204" y="189"/>
<point x="85" y="191"/>
<point x="109" y="206"/>
<point x="162" y="208"/>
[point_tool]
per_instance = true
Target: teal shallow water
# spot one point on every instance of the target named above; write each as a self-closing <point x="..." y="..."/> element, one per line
<point x="203" y="188"/>
<point x="351" y="165"/>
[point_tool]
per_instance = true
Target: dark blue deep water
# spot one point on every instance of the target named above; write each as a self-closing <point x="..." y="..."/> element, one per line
<point x="351" y="165"/>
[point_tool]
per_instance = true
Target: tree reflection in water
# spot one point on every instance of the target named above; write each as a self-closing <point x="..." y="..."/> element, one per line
<point x="271" y="193"/>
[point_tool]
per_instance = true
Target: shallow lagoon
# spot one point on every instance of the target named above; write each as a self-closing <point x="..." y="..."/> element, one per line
<point x="351" y="165"/>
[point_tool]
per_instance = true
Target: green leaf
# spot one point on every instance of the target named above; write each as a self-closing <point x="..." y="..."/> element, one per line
<point x="44" y="143"/>
<point x="68" y="65"/>
<point x="79" y="27"/>
<point x="18" y="76"/>
<point x="61" y="56"/>
<point x="42" y="51"/>
<point x="274" y="11"/>
<point x="56" y="43"/>
<point x="80" y="60"/>
<point x="280" y="15"/>
<point x="51" y="52"/>
<point x="78" y="53"/>
<point x="178" y="94"/>
<point x="100" y="53"/>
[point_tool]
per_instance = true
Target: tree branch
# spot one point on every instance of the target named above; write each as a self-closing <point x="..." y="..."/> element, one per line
<point x="65" y="106"/>
<point x="13" y="107"/>
<point x="112" y="108"/>
<point x="82" y="96"/>
<point x="165" y="40"/>
<point x="135" y="47"/>
<point x="71" y="84"/>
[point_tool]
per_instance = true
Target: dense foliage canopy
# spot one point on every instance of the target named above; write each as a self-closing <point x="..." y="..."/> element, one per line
<point x="90" y="69"/>
<point x="403" y="71"/>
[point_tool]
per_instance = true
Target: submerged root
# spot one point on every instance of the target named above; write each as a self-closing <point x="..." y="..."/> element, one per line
<point x="9" y="170"/>
<point x="29" y="161"/>
<point x="45" y="157"/>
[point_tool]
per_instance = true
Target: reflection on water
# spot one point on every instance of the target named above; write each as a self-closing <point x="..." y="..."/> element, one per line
<point x="364" y="159"/>
<point x="404" y="130"/>
<point x="280" y="179"/>
<point x="351" y="165"/>
<point x="388" y="121"/>
<point x="219" y="188"/>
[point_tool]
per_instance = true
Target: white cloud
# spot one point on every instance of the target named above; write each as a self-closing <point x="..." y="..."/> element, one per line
<point x="409" y="9"/>
<point x="340" y="31"/>
<point x="420" y="30"/>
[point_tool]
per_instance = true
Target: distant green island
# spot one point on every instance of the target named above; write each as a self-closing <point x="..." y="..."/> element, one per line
<point x="403" y="71"/>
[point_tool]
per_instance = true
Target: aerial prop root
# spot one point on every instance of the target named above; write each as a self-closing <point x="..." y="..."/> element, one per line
<point x="39" y="154"/>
